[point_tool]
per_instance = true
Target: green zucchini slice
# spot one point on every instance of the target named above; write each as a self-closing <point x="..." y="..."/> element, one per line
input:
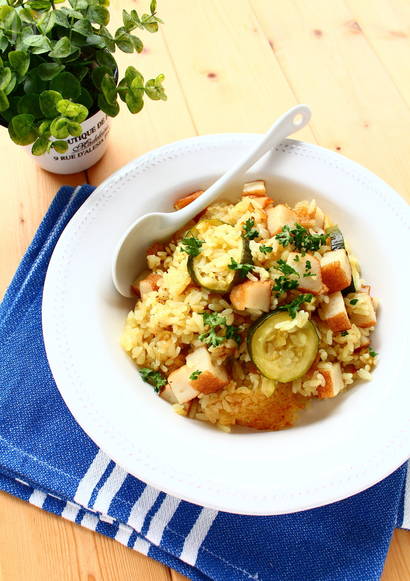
<point x="278" y="354"/>
<point x="209" y="269"/>
<point x="336" y="238"/>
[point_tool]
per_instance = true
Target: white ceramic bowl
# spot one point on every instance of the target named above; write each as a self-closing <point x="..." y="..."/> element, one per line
<point x="340" y="446"/>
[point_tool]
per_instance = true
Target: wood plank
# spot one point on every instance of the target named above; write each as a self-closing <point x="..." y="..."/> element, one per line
<point x="387" y="29"/>
<point x="25" y="195"/>
<point x="159" y="122"/>
<point x="397" y="566"/>
<point x="226" y="68"/>
<point x="328" y="62"/>
<point x="36" y="545"/>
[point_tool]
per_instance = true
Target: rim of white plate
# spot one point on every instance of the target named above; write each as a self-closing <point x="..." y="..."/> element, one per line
<point x="137" y="459"/>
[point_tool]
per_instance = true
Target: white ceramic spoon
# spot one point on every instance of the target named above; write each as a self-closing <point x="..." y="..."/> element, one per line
<point x="129" y="258"/>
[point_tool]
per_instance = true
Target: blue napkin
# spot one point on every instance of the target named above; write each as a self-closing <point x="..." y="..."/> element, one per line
<point x="47" y="459"/>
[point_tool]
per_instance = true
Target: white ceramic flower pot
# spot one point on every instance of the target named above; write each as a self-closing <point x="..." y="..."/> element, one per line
<point x="83" y="151"/>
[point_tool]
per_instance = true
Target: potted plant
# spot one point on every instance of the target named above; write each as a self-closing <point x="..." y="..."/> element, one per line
<point x="59" y="81"/>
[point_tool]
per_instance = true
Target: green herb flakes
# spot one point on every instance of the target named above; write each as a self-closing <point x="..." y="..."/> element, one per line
<point x="191" y="245"/>
<point x="155" y="378"/>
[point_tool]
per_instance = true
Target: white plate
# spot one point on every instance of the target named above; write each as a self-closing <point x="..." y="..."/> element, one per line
<point x="340" y="447"/>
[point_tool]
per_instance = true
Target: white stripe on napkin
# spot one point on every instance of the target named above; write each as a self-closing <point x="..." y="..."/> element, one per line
<point x="141" y="546"/>
<point x="91" y="478"/>
<point x="37" y="498"/>
<point x="141" y="508"/>
<point x="161" y="519"/>
<point x="123" y="534"/>
<point x="70" y="511"/>
<point x="90" y="521"/>
<point x="109" y="489"/>
<point x="197" y="535"/>
<point x="406" y="507"/>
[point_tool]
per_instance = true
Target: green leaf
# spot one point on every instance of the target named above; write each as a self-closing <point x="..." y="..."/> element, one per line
<point x="30" y="104"/>
<point x="153" y="6"/>
<point x="40" y="146"/>
<point x="134" y="102"/>
<point x="131" y="73"/>
<point x="137" y="84"/>
<point x="27" y="15"/>
<point x="19" y="61"/>
<point x="47" y="71"/>
<point x="37" y="42"/>
<point x="97" y="40"/>
<point x="137" y="42"/>
<point x="129" y="21"/>
<point x="3" y="42"/>
<point x="74" y="128"/>
<point x="11" y="85"/>
<point x="62" y="48"/>
<point x="154" y="88"/>
<point x="122" y="89"/>
<point x="67" y="84"/>
<point x="105" y="59"/>
<point x="4" y="12"/>
<point x="44" y="128"/>
<point x="72" y="14"/>
<point x="98" y="15"/>
<point x="111" y="110"/>
<point x="5" y="77"/>
<point x="79" y="4"/>
<point x="83" y="27"/>
<point x="109" y="89"/>
<point x="48" y="103"/>
<point x="4" y="102"/>
<point x="124" y="42"/>
<point x="74" y="111"/>
<point x="33" y="83"/>
<point x="22" y="129"/>
<point x="39" y="5"/>
<point x="108" y="39"/>
<point x="85" y="98"/>
<point x="61" y="19"/>
<point x="97" y="75"/>
<point x="12" y="26"/>
<point x="47" y="22"/>
<point x="60" y="146"/>
<point x="59" y="128"/>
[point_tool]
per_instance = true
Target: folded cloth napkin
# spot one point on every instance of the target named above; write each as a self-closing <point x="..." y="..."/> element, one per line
<point x="47" y="459"/>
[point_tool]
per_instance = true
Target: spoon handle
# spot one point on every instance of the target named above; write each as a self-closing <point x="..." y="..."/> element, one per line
<point x="291" y="121"/>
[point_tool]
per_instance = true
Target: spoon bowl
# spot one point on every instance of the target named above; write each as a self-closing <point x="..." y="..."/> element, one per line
<point x="129" y="256"/>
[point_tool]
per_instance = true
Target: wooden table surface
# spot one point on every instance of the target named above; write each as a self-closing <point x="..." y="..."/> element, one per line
<point x="230" y="65"/>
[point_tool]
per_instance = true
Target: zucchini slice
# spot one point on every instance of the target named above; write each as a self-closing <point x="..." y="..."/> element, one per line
<point x="336" y="238"/>
<point x="209" y="269"/>
<point x="354" y="286"/>
<point x="278" y="354"/>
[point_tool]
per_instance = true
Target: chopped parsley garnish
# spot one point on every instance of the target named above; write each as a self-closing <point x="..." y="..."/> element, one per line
<point x="354" y="301"/>
<point x="248" y="233"/>
<point x="293" y="307"/>
<point x="296" y="259"/>
<point x="265" y="249"/>
<point x="308" y="268"/>
<point x="283" y="283"/>
<point x="344" y="333"/>
<point x="155" y="378"/>
<point x="285" y="268"/>
<point x="232" y="332"/>
<point x="191" y="245"/>
<point x="212" y="336"/>
<point x="244" y="269"/>
<point x="372" y="352"/>
<point x="299" y="237"/>
<point x="213" y="319"/>
<point x="194" y="375"/>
